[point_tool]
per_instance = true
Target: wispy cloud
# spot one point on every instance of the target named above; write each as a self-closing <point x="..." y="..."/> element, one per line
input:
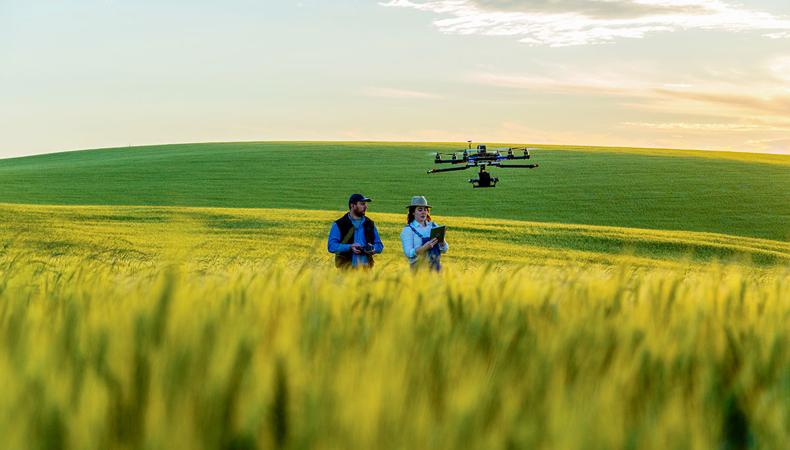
<point x="564" y="80"/>
<point x="707" y="127"/>
<point x="560" y="23"/>
<point x="382" y="92"/>
<point x="763" y="91"/>
<point x="720" y="109"/>
<point x="777" y="145"/>
<point x="779" y="68"/>
<point x="776" y="105"/>
<point x="743" y="136"/>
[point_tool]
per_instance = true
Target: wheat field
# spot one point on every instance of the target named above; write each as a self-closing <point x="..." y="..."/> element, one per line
<point x="310" y="358"/>
<point x="157" y="328"/>
<point x="203" y="238"/>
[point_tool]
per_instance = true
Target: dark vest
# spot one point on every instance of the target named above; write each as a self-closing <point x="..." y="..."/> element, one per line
<point x="343" y="259"/>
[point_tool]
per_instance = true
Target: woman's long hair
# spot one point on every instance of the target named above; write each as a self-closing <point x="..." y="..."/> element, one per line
<point x="410" y="217"/>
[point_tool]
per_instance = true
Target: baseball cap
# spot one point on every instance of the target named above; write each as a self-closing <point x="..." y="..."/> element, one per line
<point x="358" y="198"/>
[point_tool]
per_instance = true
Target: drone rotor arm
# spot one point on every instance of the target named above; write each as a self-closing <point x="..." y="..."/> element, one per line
<point x="449" y="161"/>
<point x="518" y="166"/>
<point x="448" y="169"/>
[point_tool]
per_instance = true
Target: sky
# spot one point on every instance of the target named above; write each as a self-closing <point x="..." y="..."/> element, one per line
<point x="688" y="74"/>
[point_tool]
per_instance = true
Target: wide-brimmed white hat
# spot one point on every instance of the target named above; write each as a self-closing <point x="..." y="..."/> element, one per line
<point x="419" y="200"/>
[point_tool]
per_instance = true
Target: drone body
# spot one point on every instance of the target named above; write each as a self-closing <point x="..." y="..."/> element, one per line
<point x="482" y="157"/>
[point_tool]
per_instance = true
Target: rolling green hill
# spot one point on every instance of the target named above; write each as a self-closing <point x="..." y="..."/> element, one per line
<point x="182" y="297"/>
<point x="735" y="194"/>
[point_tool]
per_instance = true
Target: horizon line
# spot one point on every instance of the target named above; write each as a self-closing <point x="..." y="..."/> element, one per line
<point x="373" y="141"/>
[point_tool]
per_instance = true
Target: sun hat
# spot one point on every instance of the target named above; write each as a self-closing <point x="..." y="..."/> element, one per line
<point x="419" y="200"/>
<point x="358" y="198"/>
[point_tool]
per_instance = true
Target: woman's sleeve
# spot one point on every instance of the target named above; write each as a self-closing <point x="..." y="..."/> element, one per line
<point x="407" y="241"/>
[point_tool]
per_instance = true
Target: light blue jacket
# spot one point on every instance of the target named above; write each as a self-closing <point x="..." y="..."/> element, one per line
<point x="411" y="241"/>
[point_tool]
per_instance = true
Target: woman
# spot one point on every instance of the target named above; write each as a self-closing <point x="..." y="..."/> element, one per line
<point x="418" y="246"/>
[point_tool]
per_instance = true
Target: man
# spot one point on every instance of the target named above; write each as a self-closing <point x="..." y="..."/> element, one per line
<point x="354" y="238"/>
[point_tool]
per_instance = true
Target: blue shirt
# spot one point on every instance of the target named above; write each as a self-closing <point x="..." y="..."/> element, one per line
<point x="334" y="245"/>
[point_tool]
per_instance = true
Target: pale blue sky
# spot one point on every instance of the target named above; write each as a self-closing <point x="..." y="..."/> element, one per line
<point x="652" y="73"/>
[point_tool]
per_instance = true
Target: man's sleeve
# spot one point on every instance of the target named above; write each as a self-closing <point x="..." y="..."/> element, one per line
<point x="333" y="245"/>
<point x="378" y="246"/>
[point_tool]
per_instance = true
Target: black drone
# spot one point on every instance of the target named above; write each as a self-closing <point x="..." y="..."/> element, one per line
<point x="481" y="157"/>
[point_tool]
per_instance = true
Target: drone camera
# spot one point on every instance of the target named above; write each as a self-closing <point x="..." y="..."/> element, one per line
<point x="484" y="180"/>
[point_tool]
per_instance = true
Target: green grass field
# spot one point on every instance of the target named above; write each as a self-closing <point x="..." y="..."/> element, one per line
<point x="182" y="297"/>
<point x="745" y="195"/>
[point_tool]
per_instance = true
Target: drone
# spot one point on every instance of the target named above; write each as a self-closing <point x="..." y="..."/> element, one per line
<point x="482" y="157"/>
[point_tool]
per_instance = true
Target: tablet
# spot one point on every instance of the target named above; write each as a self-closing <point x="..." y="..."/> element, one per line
<point x="438" y="232"/>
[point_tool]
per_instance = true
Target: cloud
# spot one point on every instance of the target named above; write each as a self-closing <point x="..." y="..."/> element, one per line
<point x="777" y="105"/>
<point x="707" y="127"/>
<point x="604" y="9"/>
<point x="397" y="93"/>
<point x="727" y="109"/>
<point x="564" y="80"/>
<point x="780" y="68"/>
<point x="559" y="23"/>
<point x="760" y="92"/>
<point x="776" y="145"/>
<point x="730" y="136"/>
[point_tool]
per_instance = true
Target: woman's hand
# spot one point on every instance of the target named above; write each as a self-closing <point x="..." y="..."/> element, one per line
<point x="427" y="246"/>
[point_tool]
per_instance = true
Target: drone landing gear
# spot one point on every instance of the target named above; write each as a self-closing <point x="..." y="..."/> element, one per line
<point x="484" y="179"/>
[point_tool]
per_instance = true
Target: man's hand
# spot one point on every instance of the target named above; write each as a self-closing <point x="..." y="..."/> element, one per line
<point x="356" y="248"/>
